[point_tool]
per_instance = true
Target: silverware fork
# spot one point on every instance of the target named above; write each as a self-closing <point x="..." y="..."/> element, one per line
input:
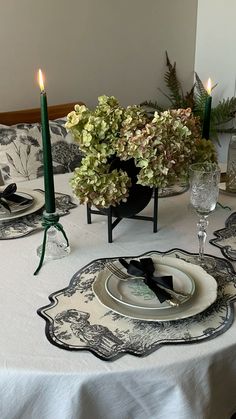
<point x="176" y="299"/>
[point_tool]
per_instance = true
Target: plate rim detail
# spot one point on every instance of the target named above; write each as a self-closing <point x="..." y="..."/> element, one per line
<point x="137" y="313"/>
<point x="191" y="280"/>
<point x="38" y="203"/>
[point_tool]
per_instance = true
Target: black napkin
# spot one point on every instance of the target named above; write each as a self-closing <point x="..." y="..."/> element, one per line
<point x="145" y="268"/>
<point x="8" y="196"/>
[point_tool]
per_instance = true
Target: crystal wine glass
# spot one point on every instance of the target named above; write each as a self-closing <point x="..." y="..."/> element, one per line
<point x="204" y="190"/>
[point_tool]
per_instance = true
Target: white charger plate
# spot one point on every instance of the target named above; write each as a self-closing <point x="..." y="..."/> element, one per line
<point x="135" y="293"/>
<point x="222" y="188"/>
<point x="205" y="294"/>
<point x="38" y="203"/>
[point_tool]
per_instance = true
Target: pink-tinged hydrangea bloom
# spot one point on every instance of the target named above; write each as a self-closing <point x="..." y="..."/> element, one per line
<point x="162" y="147"/>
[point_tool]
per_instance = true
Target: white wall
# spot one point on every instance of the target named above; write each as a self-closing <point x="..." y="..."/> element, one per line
<point x="215" y="45"/>
<point x="91" y="47"/>
<point x="215" y="51"/>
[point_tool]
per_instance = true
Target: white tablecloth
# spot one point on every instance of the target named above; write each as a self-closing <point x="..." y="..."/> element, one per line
<point x="41" y="381"/>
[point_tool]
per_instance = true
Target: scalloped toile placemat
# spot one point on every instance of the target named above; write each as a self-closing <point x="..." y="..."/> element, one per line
<point x="23" y="226"/>
<point x="76" y="320"/>
<point x="226" y="238"/>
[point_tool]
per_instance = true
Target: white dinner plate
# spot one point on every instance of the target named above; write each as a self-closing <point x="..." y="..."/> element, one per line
<point x="38" y="203"/>
<point x="135" y="293"/>
<point x="18" y="206"/>
<point x="222" y="187"/>
<point x="205" y="294"/>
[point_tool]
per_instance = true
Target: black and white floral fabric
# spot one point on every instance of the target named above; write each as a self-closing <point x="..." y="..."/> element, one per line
<point x="76" y="320"/>
<point x="21" y="155"/>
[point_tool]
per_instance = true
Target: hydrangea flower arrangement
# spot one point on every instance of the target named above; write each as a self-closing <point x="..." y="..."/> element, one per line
<point x="162" y="148"/>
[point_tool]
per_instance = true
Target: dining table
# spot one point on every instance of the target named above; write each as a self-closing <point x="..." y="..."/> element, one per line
<point x="40" y="379"/>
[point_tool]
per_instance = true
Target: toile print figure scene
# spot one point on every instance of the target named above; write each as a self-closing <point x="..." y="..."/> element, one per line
<point x="76" y="320"/>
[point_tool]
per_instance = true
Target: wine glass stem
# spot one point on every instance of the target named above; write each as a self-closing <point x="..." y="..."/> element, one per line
<point x="202" y="235"/>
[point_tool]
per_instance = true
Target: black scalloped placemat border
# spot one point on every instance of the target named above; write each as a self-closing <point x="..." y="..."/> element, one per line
<point x="227" y="231"/>
<point x="227" y="323"/>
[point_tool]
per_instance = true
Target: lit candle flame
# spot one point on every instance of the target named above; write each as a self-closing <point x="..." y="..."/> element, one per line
<point x="208" y="86"/>
<point x="40" y="80"/>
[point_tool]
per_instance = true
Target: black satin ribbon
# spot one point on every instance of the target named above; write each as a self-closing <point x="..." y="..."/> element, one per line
<point x="145" y="268"/>
<point x="8" y="195"/>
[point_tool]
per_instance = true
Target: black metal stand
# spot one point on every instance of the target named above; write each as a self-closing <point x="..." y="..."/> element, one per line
<point x="111" y="225"/>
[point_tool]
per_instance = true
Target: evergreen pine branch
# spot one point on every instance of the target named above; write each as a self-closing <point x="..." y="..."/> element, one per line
<point x="152" y="105"/>
<point x="168" y="97"/>
<point x="199" y="97"/>
<point x="189" y="100"/>
<point x="199" y="105"/>
<point x="231" y="130"/>
<point x="173" y="84"/>
<point x="195" y="99"/>
<point x="200" y="89"/>
<point x="224" y="111"/>
<point x="214" y="133"/>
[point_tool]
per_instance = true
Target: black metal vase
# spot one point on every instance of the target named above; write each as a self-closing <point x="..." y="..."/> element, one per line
<point x="139" y="196"/>
<point x="138" y="199"/>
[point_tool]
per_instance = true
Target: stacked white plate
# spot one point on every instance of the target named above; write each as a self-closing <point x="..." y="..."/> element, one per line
<point x="132" y="298"/>
<point x="223" y="189"/>
<point x="34" y="202"/>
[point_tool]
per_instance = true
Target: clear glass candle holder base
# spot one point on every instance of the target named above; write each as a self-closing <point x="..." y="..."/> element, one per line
<point x="56" y="246"/>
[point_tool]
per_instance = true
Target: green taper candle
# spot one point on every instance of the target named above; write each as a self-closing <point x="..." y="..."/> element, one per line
<point x="47" y="153"/>
<point x="207" y="113"/>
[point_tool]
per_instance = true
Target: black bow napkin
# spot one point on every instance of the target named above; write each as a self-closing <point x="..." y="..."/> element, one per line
<point x="8" y="196"/>
<point x="145" y="268"/>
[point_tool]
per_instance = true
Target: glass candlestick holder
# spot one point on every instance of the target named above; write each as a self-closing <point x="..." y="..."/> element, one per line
<point x="55" y="242"/>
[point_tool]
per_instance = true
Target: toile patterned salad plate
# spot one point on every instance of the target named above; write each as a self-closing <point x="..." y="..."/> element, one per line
<point x="202" y="286"/>
<point x="135" y="293"/>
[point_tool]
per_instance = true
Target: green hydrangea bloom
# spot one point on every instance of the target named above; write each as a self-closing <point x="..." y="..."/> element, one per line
<point x="162" y="147"/>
